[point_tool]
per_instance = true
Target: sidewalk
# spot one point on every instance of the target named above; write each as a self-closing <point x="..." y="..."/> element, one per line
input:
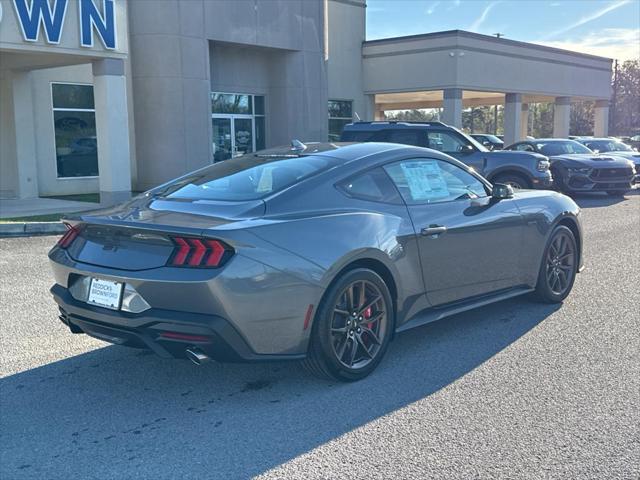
<point x="13" y="208"/>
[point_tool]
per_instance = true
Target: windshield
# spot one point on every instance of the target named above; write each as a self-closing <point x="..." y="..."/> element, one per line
<point x="472" y="140"/>
<point x="608" y="146"/>
<point x="491" y="138"/>
<point x="561" y="147"/>
<point x="249" y="177"/>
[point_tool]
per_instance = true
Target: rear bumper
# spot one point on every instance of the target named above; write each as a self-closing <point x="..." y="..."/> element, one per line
<point x="167" y="333"/>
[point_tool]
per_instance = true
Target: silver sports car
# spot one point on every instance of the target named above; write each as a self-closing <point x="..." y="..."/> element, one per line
<point x="320" y="252"/>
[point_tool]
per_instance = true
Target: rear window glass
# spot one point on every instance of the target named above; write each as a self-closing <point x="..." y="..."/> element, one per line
<point x="357" y="136"/>
<point x="246" y="178"/>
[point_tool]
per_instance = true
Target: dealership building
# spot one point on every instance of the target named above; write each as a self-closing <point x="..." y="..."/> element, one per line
<point x="114" y="96"/>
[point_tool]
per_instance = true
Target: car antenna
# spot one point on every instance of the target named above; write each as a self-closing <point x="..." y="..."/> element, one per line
<point x="298" y="146"/>
<point x="357" y="116"/>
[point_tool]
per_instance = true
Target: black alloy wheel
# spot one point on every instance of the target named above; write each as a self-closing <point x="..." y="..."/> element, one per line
<point x="559" y="266"/>
<point x="352" y="327"/>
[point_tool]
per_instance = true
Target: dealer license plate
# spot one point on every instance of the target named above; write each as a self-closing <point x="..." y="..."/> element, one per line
<point x="105" y="293"/>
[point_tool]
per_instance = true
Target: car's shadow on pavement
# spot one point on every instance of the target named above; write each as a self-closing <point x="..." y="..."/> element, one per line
<point x="595" y="200"/>
<point x="108" y="412"/>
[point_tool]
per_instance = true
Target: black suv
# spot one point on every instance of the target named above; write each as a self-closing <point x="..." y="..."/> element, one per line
<point x="518" y="169"/>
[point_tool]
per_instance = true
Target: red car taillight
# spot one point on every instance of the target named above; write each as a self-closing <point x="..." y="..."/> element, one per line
<point x="70" y="235"/>
<point x="199" y="252"/>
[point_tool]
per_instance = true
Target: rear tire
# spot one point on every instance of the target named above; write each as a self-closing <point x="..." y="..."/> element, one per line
<point x="516" y="180"/>
<point x="558" y="267"/>
<point x="349" y="347"/>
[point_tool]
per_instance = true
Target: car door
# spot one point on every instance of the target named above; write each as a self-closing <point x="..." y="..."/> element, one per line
<point x="469" y="242"/>
<point x="458" y="147"/>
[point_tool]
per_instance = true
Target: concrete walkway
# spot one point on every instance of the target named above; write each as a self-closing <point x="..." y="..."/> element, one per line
<point x="41" y="206"/>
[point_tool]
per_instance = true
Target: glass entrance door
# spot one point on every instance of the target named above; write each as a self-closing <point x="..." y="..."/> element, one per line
<point x="233" y="135"/>
<point x="222" y="139"/>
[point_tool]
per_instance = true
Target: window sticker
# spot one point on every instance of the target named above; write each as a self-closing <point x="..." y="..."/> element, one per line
<point x="425" y="180"/>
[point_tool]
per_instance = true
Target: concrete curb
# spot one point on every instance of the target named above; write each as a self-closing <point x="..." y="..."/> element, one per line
<point x="28" y="229"/>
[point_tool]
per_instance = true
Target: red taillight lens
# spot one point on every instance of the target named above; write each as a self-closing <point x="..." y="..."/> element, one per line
<point x="199" y="252"/>
<point x="70" y="235"/>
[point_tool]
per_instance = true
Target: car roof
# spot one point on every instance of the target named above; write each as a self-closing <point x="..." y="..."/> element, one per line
<point x="385" y="125"/>
<point x="549" y="140"/>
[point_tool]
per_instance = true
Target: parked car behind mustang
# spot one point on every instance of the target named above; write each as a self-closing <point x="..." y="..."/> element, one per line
<point x="615" y="147"/>
<point x="320" y="252"/>
<point x="518" y="169"/>
<point x="576" y="168"/>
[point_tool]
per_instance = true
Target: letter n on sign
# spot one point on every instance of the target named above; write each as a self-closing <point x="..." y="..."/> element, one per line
<point x="104" y="24"/>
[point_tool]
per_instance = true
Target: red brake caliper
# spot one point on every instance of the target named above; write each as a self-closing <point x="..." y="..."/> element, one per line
<point x="367" y="315"/>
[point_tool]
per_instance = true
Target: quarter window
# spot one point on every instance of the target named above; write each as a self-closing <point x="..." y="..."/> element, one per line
<point x="74" y="122"/>
<point x="340" y="113"/>
<point x="373" y="185"/>
<point x="426" y="180"/>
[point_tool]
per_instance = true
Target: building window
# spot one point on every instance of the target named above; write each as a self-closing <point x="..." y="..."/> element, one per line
<point x="340" y="113"/>
<point x="74" y="121"/>
<point x="238" y="124"/>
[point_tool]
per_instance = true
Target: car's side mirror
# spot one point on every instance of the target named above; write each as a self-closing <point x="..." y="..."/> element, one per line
<point x="487" y="144"/>
<point x="467" y="149"/>
<point x="501" y="191"/>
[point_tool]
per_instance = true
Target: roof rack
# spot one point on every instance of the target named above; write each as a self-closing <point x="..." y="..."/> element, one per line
<point x="440" y="124"/>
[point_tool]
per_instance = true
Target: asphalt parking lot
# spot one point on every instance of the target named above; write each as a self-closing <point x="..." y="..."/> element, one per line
<point x="513" y="390"/>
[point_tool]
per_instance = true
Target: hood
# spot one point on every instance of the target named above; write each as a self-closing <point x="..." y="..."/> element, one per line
<point x="633" y="156"/>
<point x="590" y="160"/>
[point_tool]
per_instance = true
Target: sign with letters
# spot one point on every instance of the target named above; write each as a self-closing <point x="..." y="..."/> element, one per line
<point x="47" y="18"/>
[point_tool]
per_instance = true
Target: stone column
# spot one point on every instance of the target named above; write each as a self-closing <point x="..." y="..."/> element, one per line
<point x="24" y="127"/>
<point x="561" y="117"/>
<point x="512" y="118"/>
<point x="112" y="130"/>
<point x="524" y="121"/>
<point x="452" y="107"/>
<point x="601" y="118"/>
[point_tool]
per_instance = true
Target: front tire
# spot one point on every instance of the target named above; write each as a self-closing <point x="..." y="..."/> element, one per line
<point x="352" y="328"/>
<point x="559" y="266"/>
<point x="517" y="181"/>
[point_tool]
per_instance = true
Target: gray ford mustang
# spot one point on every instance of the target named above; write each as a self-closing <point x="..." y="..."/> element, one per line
<point x="320" y="252"/>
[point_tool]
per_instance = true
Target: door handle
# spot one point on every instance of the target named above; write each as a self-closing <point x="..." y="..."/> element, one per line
<point x="433" y="231"/>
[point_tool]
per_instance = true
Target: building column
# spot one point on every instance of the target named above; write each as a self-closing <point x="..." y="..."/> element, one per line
<point x="601" y="118"/>
<point x="112" y="130"/>
<point x="24" y="127"/>
<point x="512" y="118"/>
<point x="524" y="121"/>
<point x="452" y="107"/>
<point x="562" y="117"/>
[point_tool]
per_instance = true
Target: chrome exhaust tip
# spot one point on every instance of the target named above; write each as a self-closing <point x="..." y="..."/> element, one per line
<point x="197" y="356"/>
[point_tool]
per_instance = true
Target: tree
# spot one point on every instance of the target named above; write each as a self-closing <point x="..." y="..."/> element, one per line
<point x="581" y="122"/>
<point x="624" y="116"/>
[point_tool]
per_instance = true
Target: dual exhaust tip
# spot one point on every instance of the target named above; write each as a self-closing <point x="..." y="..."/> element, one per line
<point x="197" y="356"/>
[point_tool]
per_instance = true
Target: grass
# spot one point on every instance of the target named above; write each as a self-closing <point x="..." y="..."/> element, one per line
<point x="51" y="217"/>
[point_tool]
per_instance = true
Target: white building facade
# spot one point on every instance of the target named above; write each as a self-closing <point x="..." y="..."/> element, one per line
<point x="115" y="96"/>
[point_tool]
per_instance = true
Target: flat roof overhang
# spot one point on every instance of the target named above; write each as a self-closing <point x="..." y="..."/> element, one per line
<point x="23" y="59"/>
<point x="481" y="63"/>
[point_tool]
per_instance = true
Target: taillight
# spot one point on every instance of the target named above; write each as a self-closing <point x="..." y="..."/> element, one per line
<point x="70" y="235"/>
<point x="199" y="253"/>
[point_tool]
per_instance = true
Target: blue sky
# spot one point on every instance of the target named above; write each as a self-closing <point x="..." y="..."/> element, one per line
<point x="609" y="28"/>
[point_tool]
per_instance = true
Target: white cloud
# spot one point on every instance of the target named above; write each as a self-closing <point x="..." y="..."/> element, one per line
<point x="432" y="7"/>
<point x="483" y="16"/>
<point x="619" y="43"/>
<point x="588" y="18"/>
